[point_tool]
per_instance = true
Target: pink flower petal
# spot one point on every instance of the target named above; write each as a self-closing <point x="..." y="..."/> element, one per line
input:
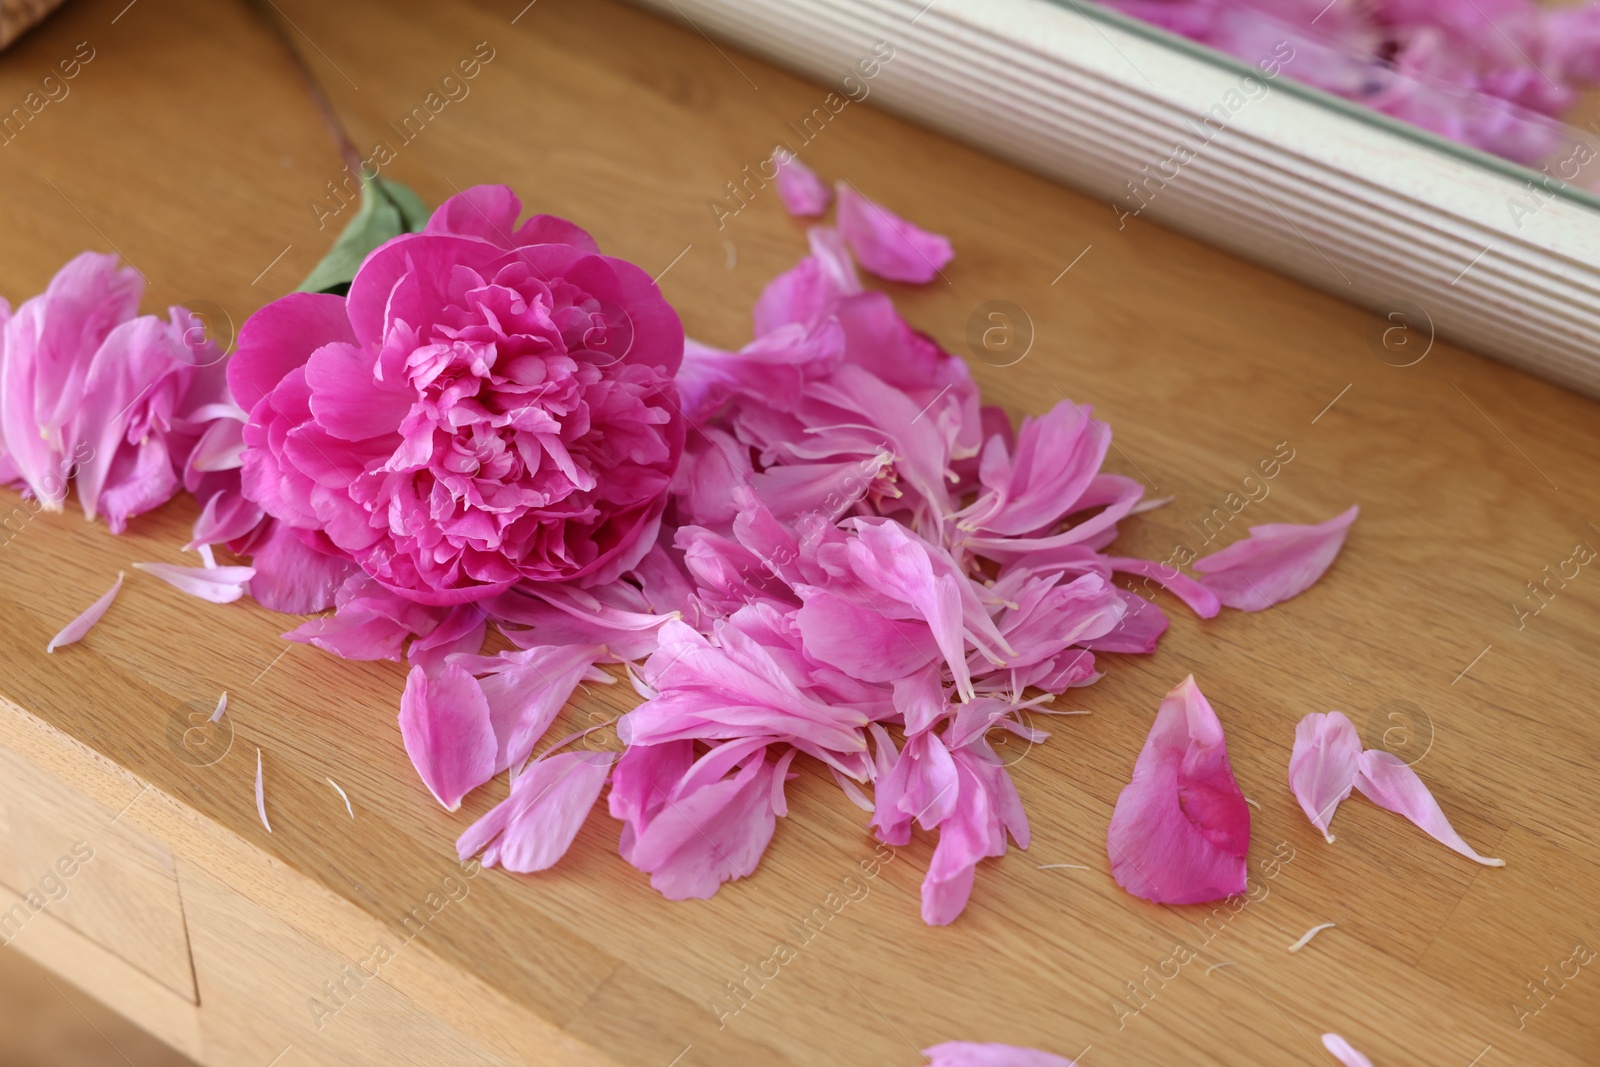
<point x="1389" y="782"/>
<point x="733" y="688"/>
<point x="1277" y="561"/>
<point x="888" y="245"/>
<point x="802" y="192"/>
<point x="227" y="516"/>
<point x="974" y="830"/>
<point x="1202" y="601"/>
<point x="710" y="829"/>
<point x="972" y="1054"/>
<point x="923" y="785"/>
<point x="462" y="631"/>
<point x="1340" y="1050"/>
<point x="290" y="575"/>
<point x="445" y="724"/>
<point x="533" y="827"/>
<point x="220" y="585"/>
<point x="1181" y="827"/>
<point x="526" y="690"/>
<point x="1322" y="768"/>
<point x="74" y="630"/>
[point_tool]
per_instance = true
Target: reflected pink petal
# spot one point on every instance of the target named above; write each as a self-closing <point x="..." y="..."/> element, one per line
<point x="1277" y="561"/>
<point x="74" y="630"/>
<point x="1389" y="782"/>
<point x="1322" y="768"/>
<point x="1181" y="827"/>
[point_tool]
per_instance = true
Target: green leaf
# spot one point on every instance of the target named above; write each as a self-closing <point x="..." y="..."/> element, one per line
<point x="388" y="209"/>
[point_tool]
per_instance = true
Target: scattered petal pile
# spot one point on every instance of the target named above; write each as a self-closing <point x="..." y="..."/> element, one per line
<point x="1327" y="763"/>
<point x="818" y="545"/>
<point x="853" y="559"/>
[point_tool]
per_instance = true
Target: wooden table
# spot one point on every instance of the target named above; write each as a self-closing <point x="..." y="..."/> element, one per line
<point x="187" y="144"/>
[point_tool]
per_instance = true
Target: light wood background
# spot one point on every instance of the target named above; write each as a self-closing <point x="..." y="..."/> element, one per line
<point x="187" y="145"/>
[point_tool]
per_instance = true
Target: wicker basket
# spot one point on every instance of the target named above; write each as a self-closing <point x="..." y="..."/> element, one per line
<point x="17" y="15"/>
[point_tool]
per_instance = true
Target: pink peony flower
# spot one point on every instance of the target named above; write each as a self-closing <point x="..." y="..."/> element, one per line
<point x="491" y="404"/>
<point x="95" y="391"/>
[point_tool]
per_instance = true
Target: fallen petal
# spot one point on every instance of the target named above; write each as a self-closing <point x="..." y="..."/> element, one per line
<point x="337" y="788"/>
<point x="222" y="706"/>
<point x="886" y="244"/>
<point x="74" y="630"/>
<point x="803" y="193"/>
<point x="220" y="585"/>
<point x="1277" y="561"/>
<point x="261" y="795"/>
<point x="1322" y="768"/>
<point x="1389" y="782"/>
<point x="1340" y="1050"/>
<point x="1181" y="827"/>
<point x="533" y="827"/>
<point x="1305" y="938"/>
<point x="444" y="722"/>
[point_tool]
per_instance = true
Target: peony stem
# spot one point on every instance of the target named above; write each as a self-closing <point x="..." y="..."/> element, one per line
<point x="274" y="20"/>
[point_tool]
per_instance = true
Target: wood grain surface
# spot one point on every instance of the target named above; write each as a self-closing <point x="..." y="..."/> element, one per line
<point x="187" y="145"/>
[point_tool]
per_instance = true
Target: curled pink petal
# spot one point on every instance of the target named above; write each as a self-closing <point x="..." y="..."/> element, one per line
<point x="802" y="192"/>
<point x="533" y="827"/>
<point x="220" y="585"/>
<point x="1322" y="768"/>
<point x="1277" y="561"/>
<point x="227" y="516"/>
<point x="74" y="630"/>
<point x="1340" y="1050"/>
<point x="973" y="1054"/>
<point x="1389" y="782"/>
<point x="1181" y="828"/>
<point x="444" y="722"/>
<point x="888" y="245"/>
